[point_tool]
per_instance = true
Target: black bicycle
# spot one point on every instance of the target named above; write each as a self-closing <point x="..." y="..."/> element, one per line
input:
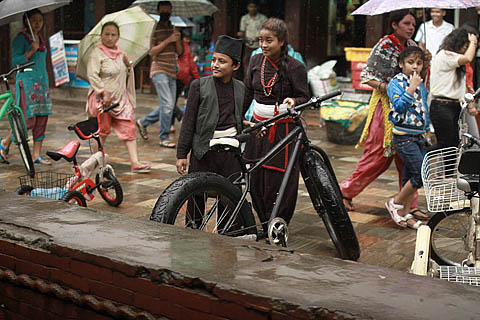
<point x="212" y="203"/>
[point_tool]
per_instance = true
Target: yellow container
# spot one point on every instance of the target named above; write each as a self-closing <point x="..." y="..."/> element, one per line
<point x="357" y="54"/>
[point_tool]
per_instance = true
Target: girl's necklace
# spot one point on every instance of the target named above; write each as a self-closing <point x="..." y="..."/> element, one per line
<point x="267" y="88"/>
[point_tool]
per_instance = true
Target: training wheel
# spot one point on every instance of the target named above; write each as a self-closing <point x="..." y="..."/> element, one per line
<point x="278" y="232"/>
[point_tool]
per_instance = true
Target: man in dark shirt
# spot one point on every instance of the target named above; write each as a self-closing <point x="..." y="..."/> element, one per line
<point x="214" y="110"/>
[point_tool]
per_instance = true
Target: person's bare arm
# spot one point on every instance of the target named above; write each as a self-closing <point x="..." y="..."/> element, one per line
<point x="469" y="55"/>
<point x="382" y="86"/>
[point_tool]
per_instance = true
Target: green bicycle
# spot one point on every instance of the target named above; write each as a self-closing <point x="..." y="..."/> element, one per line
<point x="17" y="121"/>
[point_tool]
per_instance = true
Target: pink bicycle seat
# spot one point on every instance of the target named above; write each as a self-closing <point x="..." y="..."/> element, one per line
<point x="68" y="152"/>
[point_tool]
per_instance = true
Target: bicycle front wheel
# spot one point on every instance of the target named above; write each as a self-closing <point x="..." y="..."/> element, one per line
<point x="449" y="237"/>
<point x="20" y="135"/>
<point x="204" y="201"/>
<point x="109" y="188"/>
<point x="327" y="200"/>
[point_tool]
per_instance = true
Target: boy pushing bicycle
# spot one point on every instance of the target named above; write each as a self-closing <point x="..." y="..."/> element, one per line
<point x="214" y="110"/>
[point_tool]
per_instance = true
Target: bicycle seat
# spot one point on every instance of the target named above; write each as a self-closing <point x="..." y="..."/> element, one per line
<point x="468" y="182"/>
<point x="469" y="161"/>
<point x="85" y="129"/>
<point x="68" y="152"/>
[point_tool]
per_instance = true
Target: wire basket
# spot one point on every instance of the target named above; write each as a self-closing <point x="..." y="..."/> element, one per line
<point x="47" y="184"/>
<point x="466" y="275"/>
<point x="439" y="175"/>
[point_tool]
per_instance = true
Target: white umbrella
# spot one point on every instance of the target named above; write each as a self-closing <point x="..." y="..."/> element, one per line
<point x="12" y="10"/>
<point x="136" y="31"/>
<point x="182" y="8"/>
<point x="177" y="21"/>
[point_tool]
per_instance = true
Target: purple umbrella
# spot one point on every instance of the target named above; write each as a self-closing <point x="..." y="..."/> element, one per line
<point x="374" y="7"/>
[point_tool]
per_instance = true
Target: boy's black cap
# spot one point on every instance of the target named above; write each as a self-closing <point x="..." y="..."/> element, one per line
<point x="232" y="47"/>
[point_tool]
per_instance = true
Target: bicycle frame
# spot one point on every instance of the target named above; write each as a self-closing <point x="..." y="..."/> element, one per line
<point x="301" y="146"/>
<point x="84" y="183"/>
<point x="9" y="105"/>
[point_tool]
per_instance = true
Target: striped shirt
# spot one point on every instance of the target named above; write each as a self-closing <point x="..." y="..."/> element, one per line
<point x="165" y="61"/>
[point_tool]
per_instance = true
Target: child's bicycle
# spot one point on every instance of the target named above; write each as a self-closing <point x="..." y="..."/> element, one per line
<point x="16" y="120"/>
<point x="212" y="203"/>
<point x="80" y="187"/>
<point x="449" y="246"/>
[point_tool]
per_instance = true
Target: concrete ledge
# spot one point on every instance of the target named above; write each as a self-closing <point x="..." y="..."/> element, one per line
<point x="265" y="281"/>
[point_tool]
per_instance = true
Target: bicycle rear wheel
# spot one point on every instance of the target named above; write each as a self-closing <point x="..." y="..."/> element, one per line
<point x="327" y="200"/>
<point x="204" y="201"/>
<point x="449" y="236"/>
<point x="20" y="137"/>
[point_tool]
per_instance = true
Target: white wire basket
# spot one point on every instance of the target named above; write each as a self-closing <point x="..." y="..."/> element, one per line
<point x="466" y="275"/>
<point x="439" y="175"/>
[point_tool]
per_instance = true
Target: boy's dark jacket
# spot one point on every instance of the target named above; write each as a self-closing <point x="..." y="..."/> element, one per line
<point x="208" y="113"/>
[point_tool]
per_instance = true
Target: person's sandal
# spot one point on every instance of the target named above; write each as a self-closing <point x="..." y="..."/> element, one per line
<point x="3" y="153"/>
<point x="392" y="209"/>
<point x="43" y="161"/>
<point x="417" y="223"/>
<point x="419" y="214"/>
<point x="348" y="203"/>
<point x="144" y="168"/>
<point x="142" y="130"/>
<point x="167" y="144"/>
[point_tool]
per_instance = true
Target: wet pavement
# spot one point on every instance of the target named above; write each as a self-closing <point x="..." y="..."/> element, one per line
<point x="382" y="242"/>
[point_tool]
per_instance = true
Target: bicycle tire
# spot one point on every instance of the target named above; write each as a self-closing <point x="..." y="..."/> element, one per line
<point x="20" y="135"/>
<point x="327" y="200"/>
<point x="447" y="242"/>
<point x="109" y="183"/>
<point x="74" y="197"/>
<point x="24" y="190"/>
<point x="172" y="205"/>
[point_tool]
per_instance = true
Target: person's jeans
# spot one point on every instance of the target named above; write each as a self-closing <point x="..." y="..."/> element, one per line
<point x="444" y="116"/>
<point x="166" y="87"/>
<point x="411" y="148"/>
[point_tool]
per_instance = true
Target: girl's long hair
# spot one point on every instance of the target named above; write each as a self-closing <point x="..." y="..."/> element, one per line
<point x="279" y="28"/>
<point x="455" y="42"/>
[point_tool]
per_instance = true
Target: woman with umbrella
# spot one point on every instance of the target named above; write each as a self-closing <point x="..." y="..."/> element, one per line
<point x="110" y="74"/>
<point x="33" y="94"/>
<point x="377" y="134"/>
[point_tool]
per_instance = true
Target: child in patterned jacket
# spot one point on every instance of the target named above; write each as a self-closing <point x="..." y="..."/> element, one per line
<point x="409" y="115"/>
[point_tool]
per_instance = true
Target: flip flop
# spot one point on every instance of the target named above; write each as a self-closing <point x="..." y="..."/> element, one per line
<point x="392" y="209"/>
<point x="43" y="161"/>
<point x="3" y="153"/>
<point x="167" y="144"/>
<point x="348" y="203"/>
<point x="142" y="130"/>
<point x="419" y="214"/>
<point x="144" y="168"/>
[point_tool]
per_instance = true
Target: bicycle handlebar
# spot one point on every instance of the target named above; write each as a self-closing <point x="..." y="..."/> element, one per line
<point x="17" y="68"/>
<point x="72" y="126"/>
<point x="314" y="101"/>
<point x="472" y="139"/>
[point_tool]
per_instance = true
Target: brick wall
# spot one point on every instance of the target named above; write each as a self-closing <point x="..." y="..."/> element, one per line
<point x="62" y="283"/>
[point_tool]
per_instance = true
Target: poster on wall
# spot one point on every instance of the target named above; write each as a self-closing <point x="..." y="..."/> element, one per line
<point x="59" y="59"/>
<point x="71" y="49"/>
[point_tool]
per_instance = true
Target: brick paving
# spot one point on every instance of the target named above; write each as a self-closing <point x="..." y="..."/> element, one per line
<point x="382" y="242"/>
